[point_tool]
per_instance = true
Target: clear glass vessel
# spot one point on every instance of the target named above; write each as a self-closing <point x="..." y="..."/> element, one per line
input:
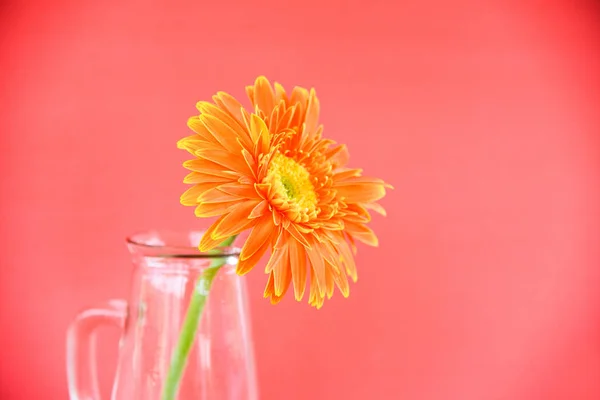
<point x="166" y="268"/>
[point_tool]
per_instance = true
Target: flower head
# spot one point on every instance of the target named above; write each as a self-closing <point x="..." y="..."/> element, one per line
<point x="270" y="171"/>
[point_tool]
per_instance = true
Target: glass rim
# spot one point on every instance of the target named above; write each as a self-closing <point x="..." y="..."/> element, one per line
<point x="161" y="247"/>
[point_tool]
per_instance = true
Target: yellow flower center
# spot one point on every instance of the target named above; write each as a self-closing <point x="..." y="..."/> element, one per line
<point x="291" y="181"/>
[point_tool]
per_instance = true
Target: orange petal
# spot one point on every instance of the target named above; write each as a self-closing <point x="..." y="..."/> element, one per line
<point x="341" y="280"/>
<point x="259" y="210"/>
<point x="191" y="143"/>
<point x="299" y="98"/>
<point x="263" y="190"/>
<point x="270" y="290"/>
<point x="351" y="244"/>
<point x="190" y="196"/>
<point x="328" y="249"/>
<point x="229" y="104"/>
<point x="207" y="242"/>
<point x="216" y="196"/>
<point x="279" y="92"/>
<point x="225" y="158"/>
<point x="318" y="266"/>
<point x="356" y="213"/>
<point x="313" y="288"/>
<point x="333" y="225"/>
<point x="246" y="180"/>
<point x="276" y="217"/>
<point x="316" y="298"/>
<point x="355" y="180"/>
<point x="327" y="196"/>
<point x="207" y="167"/>
<point x="249" y="158"/>
<point x="236" y="221"/>
<point x="274" y="118"/>
<point x="263" y="167"/>
<point x="205" y="210"/>
<point x="304" y="230"/>
<point x="245" y="265"/>
<point x="362" y="233"/>
<point x="298" y="264"/>
<point x="329" y="282"/>
<point x="270" y="286"/>
<point x="207" y="108"/>
<point x="197" y="177"/>
<point x="332" y="238"/>
<point x="197" y="126"/>
<point x="360" y="192"/>
<point x="343" y="174"/>
<point x="262" y="147"/>
<point x="240" y="191"/>
<point x="338" y="156"/>
<point x="235" y="125"/>
<point x="222" y="132"/>
<point x="312" y="114"/>
<point x="264" y="97"/>
<point x="250" y="94"/>
<point x="246" y="118"/>
<point x="285" y="119"/>
<point x="318" y="133"/>
<point x="260" y="234"/>
<point x="299" y="95"/>
<point x="348" y="260"/>
<point x="291" y="228"/>
<point x="260" y="134"/>
<point x="282" y="273"/>
<point x="274" y="260"/>
<point x="376" y="207"/>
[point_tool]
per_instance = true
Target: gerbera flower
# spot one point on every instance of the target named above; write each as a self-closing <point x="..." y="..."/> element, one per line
<point x="272" y="172"/>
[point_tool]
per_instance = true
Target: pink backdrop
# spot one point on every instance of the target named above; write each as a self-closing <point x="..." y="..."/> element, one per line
<point x="483" y="115"/>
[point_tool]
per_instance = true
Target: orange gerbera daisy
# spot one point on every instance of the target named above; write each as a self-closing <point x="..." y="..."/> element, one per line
<point x="271" y="171"/>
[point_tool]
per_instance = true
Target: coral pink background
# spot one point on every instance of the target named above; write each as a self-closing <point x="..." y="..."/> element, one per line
<point x="483" y="114"/>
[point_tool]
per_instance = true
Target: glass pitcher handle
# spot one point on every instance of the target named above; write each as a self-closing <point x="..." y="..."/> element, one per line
<point x="81" y="350"/>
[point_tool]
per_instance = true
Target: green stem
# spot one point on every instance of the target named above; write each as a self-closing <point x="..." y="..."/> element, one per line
<point x="190" y="325"/>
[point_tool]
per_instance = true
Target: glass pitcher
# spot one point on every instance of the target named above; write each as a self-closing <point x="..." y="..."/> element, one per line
<point x="220" y="364"/>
